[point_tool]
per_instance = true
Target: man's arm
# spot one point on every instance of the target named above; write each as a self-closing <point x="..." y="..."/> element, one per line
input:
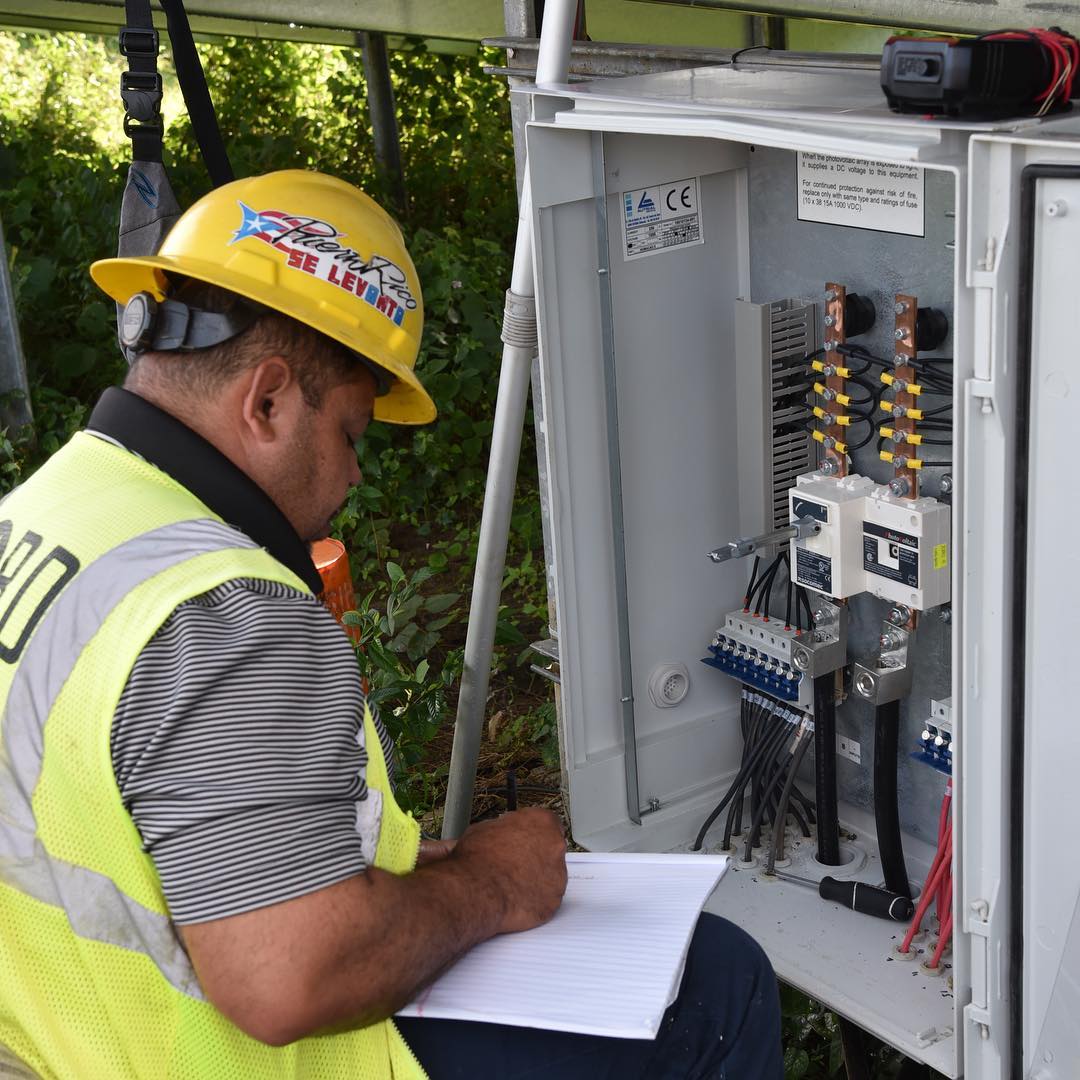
<point x="359" y="950"/>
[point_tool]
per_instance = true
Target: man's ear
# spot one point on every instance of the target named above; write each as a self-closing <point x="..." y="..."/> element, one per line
<point x="271" y="395"/>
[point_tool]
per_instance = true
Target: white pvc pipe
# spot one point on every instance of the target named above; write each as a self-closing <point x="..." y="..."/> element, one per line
<point x="552" y="67"/>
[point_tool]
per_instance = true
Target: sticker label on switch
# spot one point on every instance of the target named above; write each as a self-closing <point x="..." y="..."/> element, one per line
<point x="891" y="554"/>
<point x="813" y="570"/>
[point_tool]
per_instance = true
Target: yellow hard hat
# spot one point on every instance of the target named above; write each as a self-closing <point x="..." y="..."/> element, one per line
<point x="311" y="247"/>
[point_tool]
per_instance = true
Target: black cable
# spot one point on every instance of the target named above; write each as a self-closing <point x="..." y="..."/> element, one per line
<point x="767" y="585"/>
<point x="777" y="844"/>
<point x="768" y="748"/>
<point x="760" y="585"/>
<point x="778" y="775"/>
<point x="886" y="807"/>
<point x="800" y="594"/>
<point x="828" y="822"/>
<point x="787" y="609"/>
<point x="753" y="582"/>
<point x="736" y="784"/>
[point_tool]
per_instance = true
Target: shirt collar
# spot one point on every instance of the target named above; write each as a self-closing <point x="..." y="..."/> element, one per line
<point x="191" y="461"/>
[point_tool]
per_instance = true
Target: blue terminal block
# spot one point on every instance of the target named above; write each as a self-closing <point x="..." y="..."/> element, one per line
<point x="754" y="668"/>
<point x="935" y="749"/>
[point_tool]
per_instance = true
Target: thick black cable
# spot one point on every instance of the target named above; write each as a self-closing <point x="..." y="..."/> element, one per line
<point x="828" y="820"/>
<point x="753" y="581"/>
<point x="800" y="594"/>
<point x="886" y="807"/>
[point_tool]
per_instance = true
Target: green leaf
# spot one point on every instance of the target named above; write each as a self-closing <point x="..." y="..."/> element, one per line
<point x="397" y="575"/>
<point x="440" y="602"/>
<point x="422" y="670"/>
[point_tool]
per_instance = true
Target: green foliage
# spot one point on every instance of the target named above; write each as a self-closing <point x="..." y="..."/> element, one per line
<point x="811" y="1037"/>
<point x="408" y="678"/>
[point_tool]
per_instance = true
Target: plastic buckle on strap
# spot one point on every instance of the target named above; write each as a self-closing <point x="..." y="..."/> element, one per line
<point x="138" y="41"/>
<point x="141" y="93"/>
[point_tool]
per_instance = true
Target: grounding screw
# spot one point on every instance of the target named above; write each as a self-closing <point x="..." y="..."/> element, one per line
<point x="830" y="320"/>
<point x="828" y="393"/>
<point x="829" y="346"/>
<point x="890" y="640"/>
<point x="831" y="294"/>
<point x="900" y="485"/>
<point x="945" y="614"/>
<point x="901" y="307"/>
<point x="946" y="484"/>
<point x="828" y="467"/>
<point x="899" y="411"/>
<point x="898" y="437"/>
<point x="899" y="333"/>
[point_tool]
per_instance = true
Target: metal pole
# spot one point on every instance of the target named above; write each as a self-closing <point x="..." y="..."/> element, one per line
<point x="14" y="411"/>
<point x="519" y="336"/>
<point x="380" y="95"/>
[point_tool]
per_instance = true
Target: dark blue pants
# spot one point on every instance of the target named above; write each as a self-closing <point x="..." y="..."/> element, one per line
<point x="724" y="1025"/>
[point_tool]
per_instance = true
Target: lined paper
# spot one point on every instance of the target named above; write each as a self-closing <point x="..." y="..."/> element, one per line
<point x="609" y="962"/>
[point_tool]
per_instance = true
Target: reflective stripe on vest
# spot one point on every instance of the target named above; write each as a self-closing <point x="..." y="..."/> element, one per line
<point x="96" y="908"/>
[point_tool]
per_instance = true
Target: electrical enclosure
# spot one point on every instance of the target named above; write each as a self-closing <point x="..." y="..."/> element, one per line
<point x="662" y="206"/>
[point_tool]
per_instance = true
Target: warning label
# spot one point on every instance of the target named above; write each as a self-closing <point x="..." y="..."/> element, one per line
<point x="891" y="554"/>
<point x="861" y="194"/>
<point x="813" y="570"/>
<point x="660" y="218"/>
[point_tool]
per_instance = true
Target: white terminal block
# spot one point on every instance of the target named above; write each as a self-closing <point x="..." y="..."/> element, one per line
<point x="831" y="562"/>
<point x="906" y="549"/>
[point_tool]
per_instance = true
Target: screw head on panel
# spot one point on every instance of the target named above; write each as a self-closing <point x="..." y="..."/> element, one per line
<point x="828" y="467"/>
<point x="829" y="346"/>
<point x="900" y="358"/>
<point x="901" y="307"/>
<point x="1058" y="208"/>
<point x="900" y="485"/>
<point x="899" y="333"/>
<point x="830" y="320"/>
<point x="947" y="484"/>
<point x="831" y="294"/>
<point x="899" y="411"/>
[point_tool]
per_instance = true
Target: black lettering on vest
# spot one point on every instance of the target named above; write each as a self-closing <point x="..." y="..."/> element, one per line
<point x="17" y="578"/>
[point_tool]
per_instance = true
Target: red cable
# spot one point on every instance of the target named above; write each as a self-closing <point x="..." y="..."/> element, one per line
<point x="943" y="940"/>
<point x="929" y="889"/>
<point x="943" y="821"/>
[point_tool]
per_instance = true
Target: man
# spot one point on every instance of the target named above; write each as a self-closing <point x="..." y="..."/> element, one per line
<point x="203" y="872"/>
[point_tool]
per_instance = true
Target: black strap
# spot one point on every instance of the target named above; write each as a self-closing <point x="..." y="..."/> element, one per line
<point x="140" y="85"/>
<point x="196" y="93"/>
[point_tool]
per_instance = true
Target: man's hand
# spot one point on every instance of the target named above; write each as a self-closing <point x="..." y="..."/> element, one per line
<point x="357" y="951"/>
<point x="524" y="855"/>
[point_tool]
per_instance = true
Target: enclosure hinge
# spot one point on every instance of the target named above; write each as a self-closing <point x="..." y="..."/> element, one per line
<point x="978" y="926"/>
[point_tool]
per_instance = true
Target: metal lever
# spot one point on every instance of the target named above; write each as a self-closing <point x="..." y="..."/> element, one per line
<point x="747" y="545"/>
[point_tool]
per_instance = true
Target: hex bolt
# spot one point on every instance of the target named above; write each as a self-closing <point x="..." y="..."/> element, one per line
<point x="819" y="614"/>
<point x="900" y="614"/>
<point x="899" y="333"/>
<point x="946" y="484"/>
<point x="801" y="659"/>
<point x="828" y="393"/>
<point x="831" y="294"/>
<point x="830" y="320"/>
<point x="898" y="437"/>
<point x="900" y="485"/>
<point x="890" y="640"/>
<point x="828" y="369"/>
<point x="829" y="346"/>
<point x="899" y="411"/>
<point x="901" y="307"/>
<point x="900" y="358"/>
<point x="829" y="467"/>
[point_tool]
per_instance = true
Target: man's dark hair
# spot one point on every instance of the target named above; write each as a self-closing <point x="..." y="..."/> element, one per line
<point x="318" y="362"/>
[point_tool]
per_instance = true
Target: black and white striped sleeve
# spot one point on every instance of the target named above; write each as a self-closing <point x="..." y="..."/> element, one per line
<point x="238" y="748"/>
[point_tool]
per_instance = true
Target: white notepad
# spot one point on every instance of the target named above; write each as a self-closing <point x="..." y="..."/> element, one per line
<point x="609" y="962"/>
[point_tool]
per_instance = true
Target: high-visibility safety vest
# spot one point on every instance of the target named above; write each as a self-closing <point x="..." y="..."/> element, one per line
<point x="96" y="551"/>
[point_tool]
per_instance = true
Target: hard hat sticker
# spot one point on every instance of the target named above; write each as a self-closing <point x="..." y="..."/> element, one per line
<point x="312" y="246"/>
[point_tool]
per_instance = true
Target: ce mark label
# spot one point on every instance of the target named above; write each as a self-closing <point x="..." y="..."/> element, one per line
<point x="661" y="218"/>
<point x="679" y="199"/>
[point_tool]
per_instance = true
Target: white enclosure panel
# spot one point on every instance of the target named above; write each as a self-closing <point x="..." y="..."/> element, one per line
<point x="1052" y="863"/>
